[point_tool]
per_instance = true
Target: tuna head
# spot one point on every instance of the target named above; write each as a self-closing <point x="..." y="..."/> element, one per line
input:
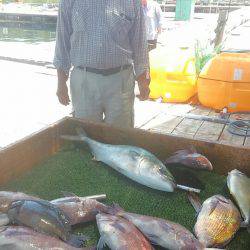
<point x="155" y="174"/>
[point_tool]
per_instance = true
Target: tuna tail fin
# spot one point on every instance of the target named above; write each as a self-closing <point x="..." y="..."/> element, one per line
<point x="80" y="131"/>
<point x="195" y="201"/>
<point x="77" y="240"/>
<point x="82" y="136"/>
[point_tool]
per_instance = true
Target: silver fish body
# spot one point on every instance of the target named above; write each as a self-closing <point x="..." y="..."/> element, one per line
<point x="239" y="187"/>
<point x="135" y="163"/>
<point x="23" y="238"/>
<point x="44" y="217"/>
<point x="118" y="233"/>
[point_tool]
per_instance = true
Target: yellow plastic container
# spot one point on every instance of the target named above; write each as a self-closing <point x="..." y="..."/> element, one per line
<point x="225" y="82"/>
<point x="173" y="75"/>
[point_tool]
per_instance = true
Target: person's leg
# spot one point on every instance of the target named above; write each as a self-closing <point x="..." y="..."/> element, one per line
<point x="118" y="99"/>
<point x="85" y="95"/>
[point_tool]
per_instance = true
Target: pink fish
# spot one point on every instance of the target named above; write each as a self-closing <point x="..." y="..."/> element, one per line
<point x="23" y="238"/>
<point x="191" y="159"/>
<point x="119" y="234"/>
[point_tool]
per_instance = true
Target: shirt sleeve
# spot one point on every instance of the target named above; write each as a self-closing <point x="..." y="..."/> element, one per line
<point x="138" y="40"/>
<point x="159" y="15"/>
<point x="63" y="33"/>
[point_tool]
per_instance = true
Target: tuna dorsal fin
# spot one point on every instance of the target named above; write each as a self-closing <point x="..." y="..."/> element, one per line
<point x="80" y="131"/>
<point x="101" y="243"/>
<point x="195" y="201"/>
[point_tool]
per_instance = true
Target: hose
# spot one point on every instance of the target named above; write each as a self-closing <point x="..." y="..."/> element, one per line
<point x="240" y="128"/>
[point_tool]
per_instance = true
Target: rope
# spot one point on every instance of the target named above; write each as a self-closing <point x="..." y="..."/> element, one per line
<point x="240" y="128"/>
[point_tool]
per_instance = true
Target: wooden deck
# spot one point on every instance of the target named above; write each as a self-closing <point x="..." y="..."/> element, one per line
<point x="171" y="120"/>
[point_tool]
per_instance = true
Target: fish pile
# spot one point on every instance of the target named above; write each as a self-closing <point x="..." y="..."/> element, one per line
<point x="29" y="222"/>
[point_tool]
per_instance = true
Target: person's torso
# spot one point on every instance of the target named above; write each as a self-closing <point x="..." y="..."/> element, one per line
<point x="101" y="28"/>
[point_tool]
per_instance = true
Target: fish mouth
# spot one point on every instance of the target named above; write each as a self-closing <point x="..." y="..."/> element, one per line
<point x="204" y="162"/>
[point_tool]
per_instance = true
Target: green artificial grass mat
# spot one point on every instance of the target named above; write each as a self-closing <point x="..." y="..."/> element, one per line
<point x="73" y="170"/>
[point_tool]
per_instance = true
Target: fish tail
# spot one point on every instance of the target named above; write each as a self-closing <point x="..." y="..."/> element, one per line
<point x="195" y="201"/>
<point x="77" y="240"/>
<point x="80" y="131"/>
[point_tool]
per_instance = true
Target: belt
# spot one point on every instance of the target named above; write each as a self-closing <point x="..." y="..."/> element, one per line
<point x="106" y="72"/>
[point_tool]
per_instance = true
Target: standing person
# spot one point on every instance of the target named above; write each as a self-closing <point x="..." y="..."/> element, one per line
<point x="105" y="41"/>
<point x="154" y="17"/>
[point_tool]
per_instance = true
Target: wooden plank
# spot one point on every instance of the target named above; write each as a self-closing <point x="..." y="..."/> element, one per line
<point x="231" y="139"/>
<point x="168" y="126"/>
<point x="210" y="131"/>
<point x="189" y="127"/>
<point x="223" y="157"/>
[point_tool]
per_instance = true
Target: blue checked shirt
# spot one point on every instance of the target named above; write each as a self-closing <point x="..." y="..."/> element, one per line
<point x="101" y="34"/>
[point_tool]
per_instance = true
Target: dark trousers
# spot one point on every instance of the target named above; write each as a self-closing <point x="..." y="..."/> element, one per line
<point x="152" y="44"/>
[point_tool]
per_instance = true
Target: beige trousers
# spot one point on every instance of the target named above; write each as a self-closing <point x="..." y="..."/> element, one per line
<point x="99" y="98"/>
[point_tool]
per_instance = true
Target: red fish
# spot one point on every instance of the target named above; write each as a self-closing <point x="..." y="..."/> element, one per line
<point x="118" y="233"/>
<point x="23" y="238"/>
<point x="191" y="159"/>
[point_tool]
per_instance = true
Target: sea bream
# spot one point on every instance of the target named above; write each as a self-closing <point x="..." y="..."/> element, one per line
<point x="44" y="217"/>
<point x="161" y="232"/>
<point x="217" y="222"/>
<point x="239" y="187"/>
<point x="24" y="238"/>
<point x="136" y="163"/>
<point x="191" y="159"/>
<point x="119" y="234"/>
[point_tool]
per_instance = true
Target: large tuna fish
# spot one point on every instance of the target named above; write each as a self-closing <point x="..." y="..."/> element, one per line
<point x="23" y="238"/>
<point x="161" y="232"/>
<point x="119" y="234"/>
<point x="44" y="217"/>
<point x="191" y="159"/>
<point x="217" y="222"/>
<point x="239" y="186"/>
<point x="136" y="163"/>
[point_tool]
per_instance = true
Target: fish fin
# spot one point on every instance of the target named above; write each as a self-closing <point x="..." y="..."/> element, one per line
<point x="80" y="131"/>
<point x="69" y="194"/>
<point x="101" y="243"/>
<point x="153" y="238"/>
<point x="77" y="240"/>
<point x="4" y="219"/>
<point x="135" y="155"/>
<point x="195" y="201"/>
<point x="115" y="209"/>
